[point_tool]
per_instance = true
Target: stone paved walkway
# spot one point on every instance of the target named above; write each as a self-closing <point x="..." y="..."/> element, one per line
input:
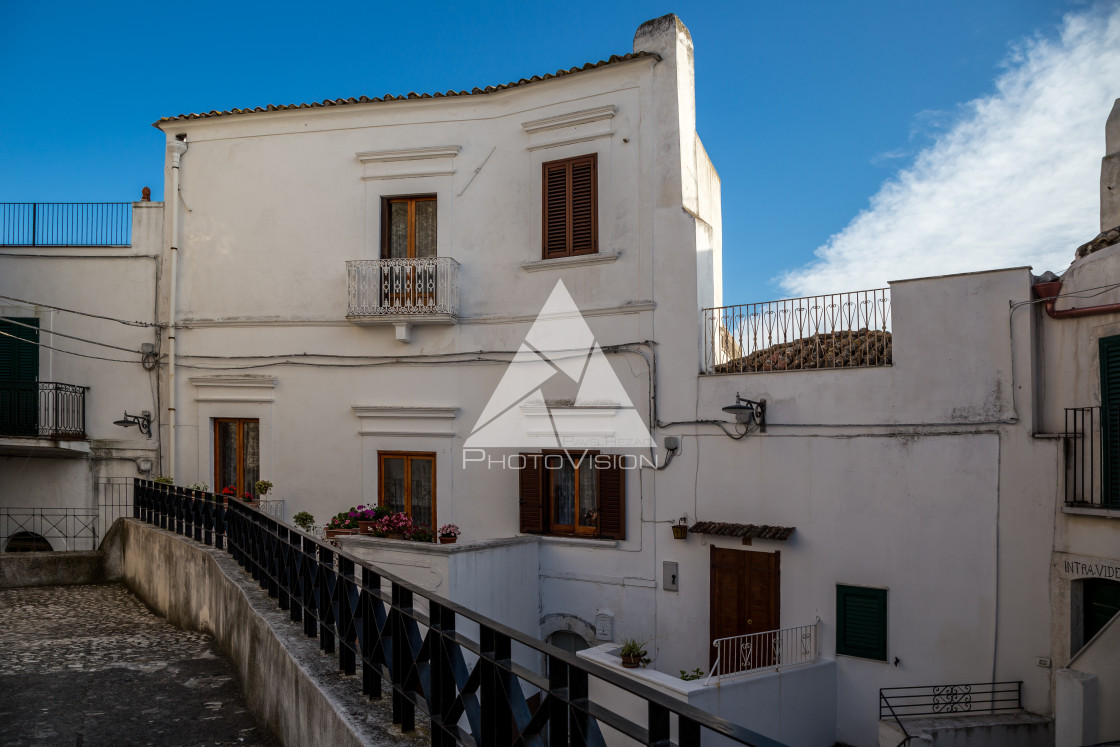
<point x="91" y="665"/>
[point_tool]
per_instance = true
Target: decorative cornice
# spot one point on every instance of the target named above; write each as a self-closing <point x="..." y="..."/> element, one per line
<point x="559" y="263"/>
<point x="405" y="175"/>
<point x="571" y="119"/>
<point x="394" y="411"/>
<point x="408" y="154"/>
<point x="236" y="380"/>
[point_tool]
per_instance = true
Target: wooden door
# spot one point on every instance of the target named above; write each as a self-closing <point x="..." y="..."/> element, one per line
<point x="745" y="600"/>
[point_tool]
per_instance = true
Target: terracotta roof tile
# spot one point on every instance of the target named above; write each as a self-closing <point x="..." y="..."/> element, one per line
<point x="746" y="531"/>
<point x="411" y="95"/>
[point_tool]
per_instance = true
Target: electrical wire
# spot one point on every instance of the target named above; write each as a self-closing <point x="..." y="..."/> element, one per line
<point x="67" y="352"/>
<point x="82" y="313"/>
<point x="72" y="337"/>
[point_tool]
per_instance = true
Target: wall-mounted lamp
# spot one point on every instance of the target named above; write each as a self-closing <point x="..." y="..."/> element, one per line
<point x="747" y="410"/>
<point x="143" y="421"/>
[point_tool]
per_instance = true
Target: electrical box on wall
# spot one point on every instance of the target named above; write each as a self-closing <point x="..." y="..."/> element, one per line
<point x="669" y="580"/>
<point x="604" y="626"/>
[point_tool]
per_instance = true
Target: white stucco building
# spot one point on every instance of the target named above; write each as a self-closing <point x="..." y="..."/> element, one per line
<point x="343" y="286"/>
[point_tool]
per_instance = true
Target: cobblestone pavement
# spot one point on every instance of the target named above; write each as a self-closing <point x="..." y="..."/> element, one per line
<point x="91" y="665"/>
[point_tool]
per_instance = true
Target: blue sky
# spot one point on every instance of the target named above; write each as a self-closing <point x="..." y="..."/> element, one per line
<point x="828" y="122"/>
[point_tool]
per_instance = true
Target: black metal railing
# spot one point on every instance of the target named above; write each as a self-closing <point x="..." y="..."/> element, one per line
<point x="65" y="223"/>
<point x="932" y="700"/>
<point x="1092" y="457"/>
<point x="45" y="528"/>
<point x="46" y="409"/>
<point x="454" y="665"/>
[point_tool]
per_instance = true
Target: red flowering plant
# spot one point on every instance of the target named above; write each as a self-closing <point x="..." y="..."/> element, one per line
<point x="247" y="497"/>
<point x="229" y="490"/>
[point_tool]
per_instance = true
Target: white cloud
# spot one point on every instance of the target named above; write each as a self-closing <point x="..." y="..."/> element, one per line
<point x="1015" y="181"/>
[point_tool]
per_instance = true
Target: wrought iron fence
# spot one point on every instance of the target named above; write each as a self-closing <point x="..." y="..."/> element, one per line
<point x="1092" y="457"/>
<point x="768" y="650"/>
<point x="454" y="665"/>
<point x="931" y="700"/>
<point x="840" y="330"/>
<point x="65" y="223"/>
<point x="60" y="528"/>
<point x="388" y="287"/>
<point x="114" y="500"/>
<point x="45" y="408"/>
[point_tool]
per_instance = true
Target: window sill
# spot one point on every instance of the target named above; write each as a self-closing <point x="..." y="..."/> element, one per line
<point x="1103" y="513"/>
<point x="579" y="260"/>
<point x="578" y="541"/>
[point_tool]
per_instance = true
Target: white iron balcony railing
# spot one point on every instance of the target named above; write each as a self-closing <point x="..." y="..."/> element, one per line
<point x="417" y="290"/>
<point x="769" y="650"/>
<point x="839" y="330"/>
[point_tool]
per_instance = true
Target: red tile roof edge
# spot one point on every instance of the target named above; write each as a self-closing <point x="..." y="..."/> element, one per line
<point x="412" y="95"/>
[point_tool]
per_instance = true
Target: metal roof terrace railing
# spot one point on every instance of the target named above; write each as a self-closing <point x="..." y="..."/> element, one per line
<point x="455" y="665"/>
<point x="65" y="223"/>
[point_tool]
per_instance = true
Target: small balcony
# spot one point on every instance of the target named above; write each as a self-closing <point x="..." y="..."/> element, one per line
<point x="1091" y="446"/>
<point x="838" y="330"/>
<point x="403" y="292"/>
<point x="44" y="411"/>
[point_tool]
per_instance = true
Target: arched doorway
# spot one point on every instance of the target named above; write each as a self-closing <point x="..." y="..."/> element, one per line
<point x="28" y="542"/>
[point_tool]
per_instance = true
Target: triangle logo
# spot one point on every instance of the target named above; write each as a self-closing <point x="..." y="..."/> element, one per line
<point x="559" y="346"/>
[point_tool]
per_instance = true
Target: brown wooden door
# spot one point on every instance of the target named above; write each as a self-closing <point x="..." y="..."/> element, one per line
<point x="745" y="599"/>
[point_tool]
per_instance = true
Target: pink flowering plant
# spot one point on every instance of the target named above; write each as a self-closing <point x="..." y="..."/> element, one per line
<point x="343" y="520"/>
<point x="393" y="524"/>
<point x="450" y="530"/>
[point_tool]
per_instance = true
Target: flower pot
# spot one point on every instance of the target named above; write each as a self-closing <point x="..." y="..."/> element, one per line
<point x="365" y="527"/>
<point x="680" y="531"/>
<point x="331" y="533"/>
<point x="631" y="662"/>
<point x="395" y="536"/>
<point x="448" y="540"/>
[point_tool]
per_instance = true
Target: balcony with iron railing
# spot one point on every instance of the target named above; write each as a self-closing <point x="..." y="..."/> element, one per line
<point x="61" y="224"/>
<point x="1091" y="445"/>
<point x="765" y="651"/>
<point x="838" y="330"/>
<point x="43" y="409"/>
<point x="403" y="291"/>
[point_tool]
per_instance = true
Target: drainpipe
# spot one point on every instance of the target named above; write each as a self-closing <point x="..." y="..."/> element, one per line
<point x="1050" y="291"/>
<point x="176" y="148"/>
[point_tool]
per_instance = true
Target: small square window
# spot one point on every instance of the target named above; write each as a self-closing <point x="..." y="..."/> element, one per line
<point x="861" y="622"/>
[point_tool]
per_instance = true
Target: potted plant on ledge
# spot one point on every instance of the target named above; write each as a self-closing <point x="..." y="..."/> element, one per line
<point x="448" y="533"/>
<point x="633" y="653"/>
<point x="341" y="523"/>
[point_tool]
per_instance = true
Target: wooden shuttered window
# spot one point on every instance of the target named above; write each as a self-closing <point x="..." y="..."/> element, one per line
<point x="1110" y="421"/>
<point x="534" y="505"/>
<point x="19" y="353"/>
<point x="861" y="622"/>
<point x="530" y="480"/>
<point x="612" y="500"/>
<point x="571" y="220"/>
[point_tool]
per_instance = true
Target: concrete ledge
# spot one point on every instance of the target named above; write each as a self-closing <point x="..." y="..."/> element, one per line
<point x="294" y="689"/>
<point x="52" y="569"/>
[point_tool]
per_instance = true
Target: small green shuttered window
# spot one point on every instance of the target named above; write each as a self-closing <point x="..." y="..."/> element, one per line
<point x="861" y="622"/>
<point x="19" y="372"/>
<point x="1110" y="421"/>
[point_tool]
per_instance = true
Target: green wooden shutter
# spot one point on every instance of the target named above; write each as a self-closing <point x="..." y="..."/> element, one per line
<point x="19" y="372"/>
<point x="1110" y="421"/>
<point x="861" y="622"/>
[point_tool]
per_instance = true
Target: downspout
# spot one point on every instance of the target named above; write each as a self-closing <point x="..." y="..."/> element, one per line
<point x="176" y="148"/>
<point x="1050" y="291"/>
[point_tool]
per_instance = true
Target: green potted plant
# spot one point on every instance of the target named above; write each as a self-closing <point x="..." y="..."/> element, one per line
<point x="633" y="653"/>
<point x="262" y="487"/>
<point x="304" y="521"/>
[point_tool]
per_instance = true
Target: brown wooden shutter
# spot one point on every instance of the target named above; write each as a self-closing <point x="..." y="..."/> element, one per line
<point x="556" y="208"/>
<point x="571" y="221"/>
<point x="612" y="499"/>
<point x="531" y="494"/>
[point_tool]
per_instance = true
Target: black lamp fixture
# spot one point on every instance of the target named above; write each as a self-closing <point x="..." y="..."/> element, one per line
<point x="143" y="421"/>
<point x="748" y="410"/>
